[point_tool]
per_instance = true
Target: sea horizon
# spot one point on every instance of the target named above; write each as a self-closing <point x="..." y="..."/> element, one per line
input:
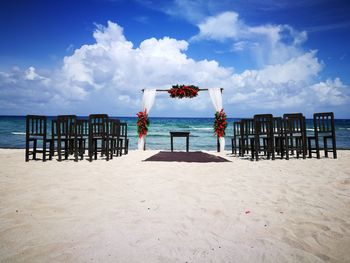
<point x="159" y="117"/>
<point x="202" y="137"/>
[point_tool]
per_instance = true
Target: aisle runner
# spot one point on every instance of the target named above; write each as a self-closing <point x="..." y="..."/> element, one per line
<point x="190" y="157"/>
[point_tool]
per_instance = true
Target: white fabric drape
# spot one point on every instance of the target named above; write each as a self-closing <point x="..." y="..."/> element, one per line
<point x="216" y="98"/>
<point x="148" y="99"/>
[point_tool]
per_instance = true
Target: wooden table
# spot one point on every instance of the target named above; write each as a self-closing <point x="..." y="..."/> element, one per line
<point x="180" y="134"/>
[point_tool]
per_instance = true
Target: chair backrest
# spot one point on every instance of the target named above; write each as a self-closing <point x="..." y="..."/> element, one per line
<point x="277" y="125"/>
<point x="263" y="124"/>
<point x="294" y="123"/>
<point x="98" y="124"/>
<point x="36" y="125"/>
<point x="114" y="127"/>
<point x="324" y="122"/>
<point x="66" y="125"/>
<point x="247" y="126"/>
<point x="124" y="129"/>
<point x="54" y="128"/>
<point x="236" y="128"/>
<point x="82" y="129"/>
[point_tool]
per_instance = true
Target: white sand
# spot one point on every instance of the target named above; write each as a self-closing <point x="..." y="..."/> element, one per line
<point x="126" y="210"/>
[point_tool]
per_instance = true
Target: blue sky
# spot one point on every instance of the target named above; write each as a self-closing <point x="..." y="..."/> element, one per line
<point x="94" y="56"/>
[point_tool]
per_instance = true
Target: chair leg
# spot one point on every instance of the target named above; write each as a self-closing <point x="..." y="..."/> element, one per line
<point x="297" y="147"/>
<point x="90" y="152"/>
<point x="66" y="149"/>
<point x="287" y="148"/>
<point x="44" y="150"/>
<point x="334" y="144"/>
<point x="325" y="147"/>
<point x="95" y="148"/>
<point x="317" y="144"/>
<point x="34" y="149"/>
<point x="304" y="147"/>
<point x="309" y="146"/>
<point x="272" y="148"/>
<point x="253" y="150"/>
<point x="126" y="149"/>
<point x="257" y="146"/>
<point x="107" y="149"/>
<point x="232" y="146"/>
<point x="50" y="151"/>
<point x="59" y="149"/>
<point x="27" y="151"/>
<point x="76" y="150"/>
<point x="111" y="149"/>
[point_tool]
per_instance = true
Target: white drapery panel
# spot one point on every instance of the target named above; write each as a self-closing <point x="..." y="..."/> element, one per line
<point x="148" y="98"/>
<point x="216" y="99"/>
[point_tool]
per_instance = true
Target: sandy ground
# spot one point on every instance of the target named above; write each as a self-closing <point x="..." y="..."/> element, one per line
<point x="127" y="210"/>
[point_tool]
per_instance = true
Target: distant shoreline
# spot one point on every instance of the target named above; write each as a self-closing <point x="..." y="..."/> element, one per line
<point x="151" y="117"/>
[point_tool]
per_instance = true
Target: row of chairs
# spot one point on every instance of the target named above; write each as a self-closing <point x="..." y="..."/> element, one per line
<point x="265" y="135"/>
<point x="73" y="136"/>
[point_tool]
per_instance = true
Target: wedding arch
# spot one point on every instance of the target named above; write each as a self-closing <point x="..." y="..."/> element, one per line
<point x="182" y="91"/>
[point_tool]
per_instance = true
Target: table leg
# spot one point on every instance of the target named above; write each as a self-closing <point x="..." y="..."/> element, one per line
<point x="187" y="143"/>
<point x="171" y="143"/>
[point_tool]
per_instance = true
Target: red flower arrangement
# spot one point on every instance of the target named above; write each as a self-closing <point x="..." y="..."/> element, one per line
<point x="142" y="123"/>
<point x="220" y="123"/>
<point x="183" y="91"/>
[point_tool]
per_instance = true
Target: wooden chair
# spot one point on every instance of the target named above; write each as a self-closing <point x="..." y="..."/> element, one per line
<point x="98" y="136"/>
<point x="294" y="134"/>
<point x="277" y="126"/>
<point x="323" y="128"/>
<point x="66" y="134"/>
<point x="54" y="136"/>
<point x="114" y="138"/>
<point x="36" y="132"/>
<point x="236" y="139"/>
<point x="247" y="135"/>
<point x="82" y="136"/>
<point x="124" y="140"/>
<point x="263" y="127"/>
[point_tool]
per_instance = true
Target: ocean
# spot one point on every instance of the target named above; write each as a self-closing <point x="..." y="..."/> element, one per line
<point x="12" y="132"/>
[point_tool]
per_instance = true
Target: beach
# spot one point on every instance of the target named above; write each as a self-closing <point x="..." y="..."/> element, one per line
<point x="129" y="210"/>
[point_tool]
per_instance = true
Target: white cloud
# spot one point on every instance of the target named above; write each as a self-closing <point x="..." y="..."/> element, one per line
<point x="109" y="74"/>
<point x="330" y="92"/>
<point x="268" y="44"/>
<point x="239" y="46"/>
<point x="220" y="27"/>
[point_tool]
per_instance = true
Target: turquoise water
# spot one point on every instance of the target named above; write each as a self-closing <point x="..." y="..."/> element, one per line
<point x="12" y="132"/>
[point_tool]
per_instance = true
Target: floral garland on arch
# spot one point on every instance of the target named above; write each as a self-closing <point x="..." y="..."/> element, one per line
<point x="142" y="123"/>
<point x="220" y="123"/>
<point x="183" y="91"/>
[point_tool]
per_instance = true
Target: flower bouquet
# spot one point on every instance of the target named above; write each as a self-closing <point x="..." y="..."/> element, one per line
<point x="183" y="91"/>
<point x="220" y="123"/>
<point x="142" y="123"/>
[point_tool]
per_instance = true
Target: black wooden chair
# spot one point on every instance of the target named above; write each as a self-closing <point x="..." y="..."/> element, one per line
<point x="115" y="141"/>
<point x="294" y="134"/>
<point x="263" y="127"/>
<point x="36" y="132"/>
<point x="82" y="136"/>
<point x="124" y="140"/>
<point x="66" y="134"/>
<point x="54" y="136"/>
<point x="247" y="135"/>
<point x="98" y="136"/>
<point x="236" y="139"/>
<point x="323" y="128"/>
<point x="277" y="125"/>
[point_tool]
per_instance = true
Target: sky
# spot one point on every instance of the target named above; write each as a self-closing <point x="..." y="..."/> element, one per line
<point x="95" y="56"/>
